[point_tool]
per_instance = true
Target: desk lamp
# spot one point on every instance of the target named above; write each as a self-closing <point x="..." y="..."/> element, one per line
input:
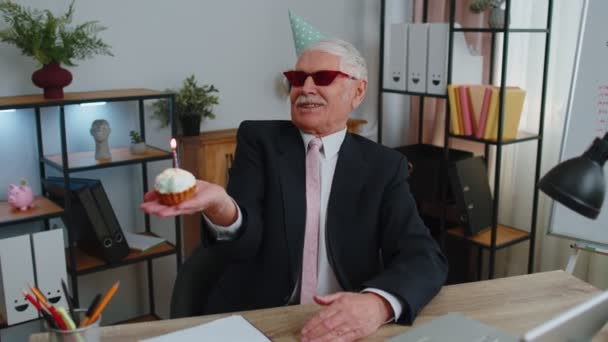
<point x="578" y="183"/>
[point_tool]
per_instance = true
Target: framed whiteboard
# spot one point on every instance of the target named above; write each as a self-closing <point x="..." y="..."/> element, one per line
<point x="587" y="118"/>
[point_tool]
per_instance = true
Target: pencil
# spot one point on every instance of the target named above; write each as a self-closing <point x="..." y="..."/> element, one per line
<point x="45" y="314"/>
<point x="68" y="299"/>
<point x="102" y="305"/>
<point x="39" y="295"/>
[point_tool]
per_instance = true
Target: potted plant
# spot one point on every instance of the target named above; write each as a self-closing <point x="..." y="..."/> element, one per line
<point x="50" y="41"/>
<point x="192" y="104"/>
<point x="497" y="14"/>
<point x="138" y="146"/>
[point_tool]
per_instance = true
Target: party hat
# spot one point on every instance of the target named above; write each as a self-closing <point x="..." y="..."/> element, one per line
<point x="303" y="33"/>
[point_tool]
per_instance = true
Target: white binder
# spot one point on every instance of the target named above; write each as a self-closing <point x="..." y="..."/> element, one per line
<point x="436" y="77"/>
<point x="16" y="272"/>
<point x="396" y="74"/>
<point x="417" y="57"/>
<point x="49" y="258"/>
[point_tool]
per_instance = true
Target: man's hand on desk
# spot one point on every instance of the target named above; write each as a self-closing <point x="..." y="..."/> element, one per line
<point x="347" y="317"/>
<point x="210" y="198"/>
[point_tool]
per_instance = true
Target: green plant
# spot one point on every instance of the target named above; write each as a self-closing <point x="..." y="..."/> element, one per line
<point x="479" y="6"/>
<point x="135" y="137"/>
<point x="49" y="39"/>
<point x="190" y="100"/>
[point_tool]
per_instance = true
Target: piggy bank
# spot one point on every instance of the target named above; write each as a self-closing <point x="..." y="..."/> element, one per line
<point x="20" y="197"/>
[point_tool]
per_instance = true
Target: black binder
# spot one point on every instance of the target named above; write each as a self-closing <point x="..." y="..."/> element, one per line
<point x="96" y="228"/>
<point x="471" y="190"/>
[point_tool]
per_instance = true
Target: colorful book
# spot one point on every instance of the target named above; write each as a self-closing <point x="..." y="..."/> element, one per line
<point x="465" y="108"/>
<point x="483" y="112"/>
<point x="514" y="102"/>
<point x="454" y="109"/>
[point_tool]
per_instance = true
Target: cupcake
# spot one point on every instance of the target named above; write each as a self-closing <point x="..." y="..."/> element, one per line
<point x="174" y="186"/>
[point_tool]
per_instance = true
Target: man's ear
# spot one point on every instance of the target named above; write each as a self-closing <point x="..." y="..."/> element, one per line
<point x="360" y="90"/>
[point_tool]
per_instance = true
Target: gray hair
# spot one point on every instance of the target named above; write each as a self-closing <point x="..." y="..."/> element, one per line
<point x="351" y="61"/>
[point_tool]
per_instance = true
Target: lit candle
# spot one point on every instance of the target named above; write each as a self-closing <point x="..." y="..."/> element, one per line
<point x="174" y="150"/>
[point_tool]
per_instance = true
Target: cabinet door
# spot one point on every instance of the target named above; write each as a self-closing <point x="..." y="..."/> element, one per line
<point x="217" y="162"/>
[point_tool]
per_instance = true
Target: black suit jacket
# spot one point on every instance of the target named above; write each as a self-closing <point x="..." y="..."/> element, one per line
<point x="374" y="235"/>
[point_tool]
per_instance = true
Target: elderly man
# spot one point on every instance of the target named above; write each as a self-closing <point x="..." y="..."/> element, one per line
<point x="313" y="213"/>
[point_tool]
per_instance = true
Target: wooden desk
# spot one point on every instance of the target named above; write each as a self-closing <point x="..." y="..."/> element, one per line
<point x="513" y="304"/>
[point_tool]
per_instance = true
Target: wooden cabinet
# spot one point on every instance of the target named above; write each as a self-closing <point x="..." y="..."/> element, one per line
<point x="208" y="156"/>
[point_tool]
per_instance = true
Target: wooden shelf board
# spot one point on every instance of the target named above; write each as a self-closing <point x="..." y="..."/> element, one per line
<point x="38" y="100"/>
<point x="43" y="207"/>
<point x="505" y="235"/>
<point x="86" y="263"/>
<point x="521" y="136"/>
<point x="143" y="318"/>
<point x="120" y="155"/>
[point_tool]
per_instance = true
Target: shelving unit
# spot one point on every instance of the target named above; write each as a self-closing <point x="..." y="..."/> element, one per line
<point x="498" y="236"/>
<point x="69" y="162"/>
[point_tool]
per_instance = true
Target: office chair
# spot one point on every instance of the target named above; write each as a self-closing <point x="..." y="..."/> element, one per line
<point x="195" y="281"/>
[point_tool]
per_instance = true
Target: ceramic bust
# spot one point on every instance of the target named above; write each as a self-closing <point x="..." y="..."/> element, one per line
<point x="100" y="130"/>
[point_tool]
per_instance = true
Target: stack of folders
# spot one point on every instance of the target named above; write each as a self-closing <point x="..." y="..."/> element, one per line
<point x="98" y="231"/>
<point x="471" y="190"/>
<point x="474" y="110"/>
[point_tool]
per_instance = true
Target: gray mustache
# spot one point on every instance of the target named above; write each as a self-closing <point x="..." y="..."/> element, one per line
<point x="303" y="99"/>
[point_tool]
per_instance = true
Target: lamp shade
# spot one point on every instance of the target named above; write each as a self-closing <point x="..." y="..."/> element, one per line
<point x="577" y="183"/>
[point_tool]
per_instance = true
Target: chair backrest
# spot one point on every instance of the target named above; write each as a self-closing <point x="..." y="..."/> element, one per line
<point x="195" y="281"/>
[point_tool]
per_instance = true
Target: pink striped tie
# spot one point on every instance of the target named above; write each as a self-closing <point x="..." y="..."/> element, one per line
<point x="311" y="236"/>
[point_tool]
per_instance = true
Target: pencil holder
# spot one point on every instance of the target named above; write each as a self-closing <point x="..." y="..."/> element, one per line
<point x="89" y="333"/>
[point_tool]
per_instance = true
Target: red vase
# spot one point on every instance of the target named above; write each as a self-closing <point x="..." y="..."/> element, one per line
<point x="52" y="78"/>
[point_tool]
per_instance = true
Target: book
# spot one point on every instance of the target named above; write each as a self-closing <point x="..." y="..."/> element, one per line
<point x="141" y="242"/>
<point x="483" y="112"/>
<point x="514" y="103"/>
<point x="454" y="110"/>
<point x="465" y="109"/>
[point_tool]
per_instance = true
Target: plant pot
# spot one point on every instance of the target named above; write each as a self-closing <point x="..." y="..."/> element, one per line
<point x="497" y="18"/>
<point x="52" y="78"/>
<point x="139" y="148"/>
<point x="191" y="125"/>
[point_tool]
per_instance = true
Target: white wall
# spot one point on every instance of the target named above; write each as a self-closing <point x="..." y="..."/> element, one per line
<point x="240" y="46"/>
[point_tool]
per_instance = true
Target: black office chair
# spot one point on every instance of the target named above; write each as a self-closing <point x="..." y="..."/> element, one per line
<point x="195" y="281"/>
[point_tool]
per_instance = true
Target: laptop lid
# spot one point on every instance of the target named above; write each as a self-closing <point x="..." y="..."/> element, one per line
<point x="580" y="323"/>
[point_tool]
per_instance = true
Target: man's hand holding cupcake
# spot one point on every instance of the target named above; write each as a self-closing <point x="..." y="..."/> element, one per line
<point x="177" y="192"/>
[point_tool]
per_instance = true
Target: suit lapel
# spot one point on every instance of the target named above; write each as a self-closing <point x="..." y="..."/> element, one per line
<point x="346" y="192"/>
<point x="293" y="187"/>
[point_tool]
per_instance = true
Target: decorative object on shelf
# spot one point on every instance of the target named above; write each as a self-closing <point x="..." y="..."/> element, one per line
<point x="51" y="42"/>
<point x="192" y="103"/>
<point x="20" y="197"/>
<point x="100" y="130"/>
<point x="138" y="146"/>
<point x="497" y="13"/>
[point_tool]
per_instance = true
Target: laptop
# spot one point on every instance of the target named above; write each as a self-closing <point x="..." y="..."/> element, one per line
<point x="579" y="323"/>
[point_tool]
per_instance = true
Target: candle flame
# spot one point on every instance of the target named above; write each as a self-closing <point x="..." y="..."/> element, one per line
<point x="173" y="144"/>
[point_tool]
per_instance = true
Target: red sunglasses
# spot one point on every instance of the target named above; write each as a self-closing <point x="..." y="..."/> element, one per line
<point x="321" y="78"/>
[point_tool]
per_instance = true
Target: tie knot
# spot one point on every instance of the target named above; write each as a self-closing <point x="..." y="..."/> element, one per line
<point x="315" y="143"/>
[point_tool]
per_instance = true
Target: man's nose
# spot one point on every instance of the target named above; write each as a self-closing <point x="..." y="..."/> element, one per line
<point x="309" y="85"/>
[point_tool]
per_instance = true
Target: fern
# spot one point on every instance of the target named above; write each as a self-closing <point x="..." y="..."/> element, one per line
<point x="47" y="38"/>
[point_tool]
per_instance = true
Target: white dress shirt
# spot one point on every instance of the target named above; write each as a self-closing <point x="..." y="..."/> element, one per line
<point x="327" y="282"/>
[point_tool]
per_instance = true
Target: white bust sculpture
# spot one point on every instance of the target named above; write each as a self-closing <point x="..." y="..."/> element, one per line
<point x="100" y="130"/>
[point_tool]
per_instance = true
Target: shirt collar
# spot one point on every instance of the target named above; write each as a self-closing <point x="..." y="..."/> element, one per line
<point x="331" y="143"/>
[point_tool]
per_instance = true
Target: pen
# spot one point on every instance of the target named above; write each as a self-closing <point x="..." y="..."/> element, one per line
<point x="66" y="318"/>
<point x="91" y="308"/>
<point x="68" y="299"/>
<point x="45" y="314"/>
<point x="102" y="305"/>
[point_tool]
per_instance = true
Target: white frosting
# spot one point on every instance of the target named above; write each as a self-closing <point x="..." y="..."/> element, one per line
<point x="174" y="180"/>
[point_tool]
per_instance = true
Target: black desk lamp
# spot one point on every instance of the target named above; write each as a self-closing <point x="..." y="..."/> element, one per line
<point x="578" y="183"/>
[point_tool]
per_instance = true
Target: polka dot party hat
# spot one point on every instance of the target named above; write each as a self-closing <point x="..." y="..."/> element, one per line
<point x="303" y="33"/>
